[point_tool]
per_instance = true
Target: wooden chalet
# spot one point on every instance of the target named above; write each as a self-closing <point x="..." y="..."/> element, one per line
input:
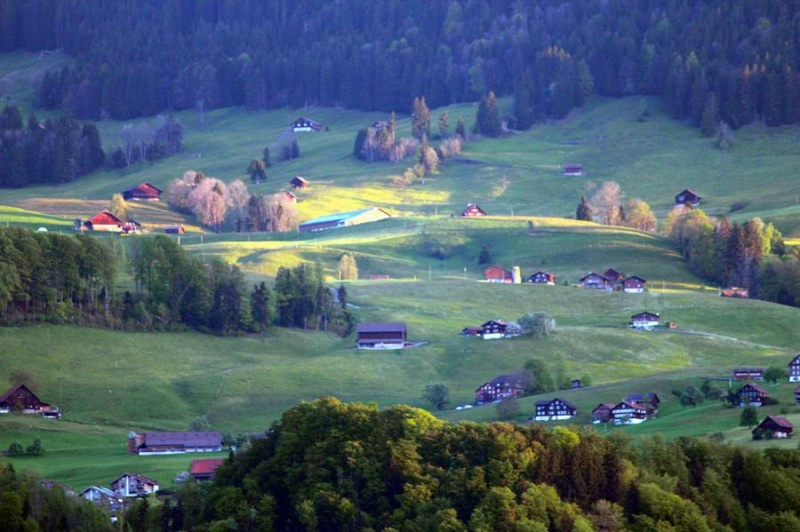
<point x="613" y="275"/>
<point x="142" y="192"/>
<point x="554" y="410"/>
<point x="344" y="219"/>
<point x="645" y="320"/>
<point x="496" y="274"/>
<point x="628" y="413"/>
<point x="602" y="413"/>
<point x="501" y="387"/>
<point x="21" y="399"/>
<point x="687" y="197"/>
<point x="377" y="335"/>
<point x="794" y="369"/>
<point x="174" y="230"/>
<point x="649" y="401"/>
<point x="494" y="329"/>
<point x="305" y="125"/>
<point x="633" y="284"/>
<point x="104" y="221"/>
<point x="748" y="374"/>
<point x="596" y="281"/>
<point x="773" y="427"/>
<point x="133" y="485"/>
<point x="542" y="278"/>
<point x="298" y="182"/>
<point x="751" y="394"/>
<point x="472" y="211"/>
<point x="101" y="496"/>
<point x="174" y="442"/>
<point x="204" y="468"/>
<point x="573" y="169"/>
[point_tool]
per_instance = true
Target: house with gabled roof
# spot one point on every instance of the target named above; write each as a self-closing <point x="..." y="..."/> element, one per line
<point x="101" y="497"/>
<point x="501" y="387"/>
<point x="628" y="413"/>
<point x="494" y="329"/>
<point x="305" y="125"/>
<point x="748" y="374"/>
<point x="645" y="320"/>
<point x="794" y="369"/>
<point x="542" y="277"/>
<point x="205" y="468"/>
<point x="648" y="400"/>
<point x="633" y="284"/>
<point x="751" y="394"/>
<point x="573" y="169"/>
<point x="104" y="221"/>
<point x="797" y="395"/>
<point x="498" y="274"/>
<point x="556" y="409"/>
<point x="298" y="182"/>
<point x="688" y="197"/>
<point x="21" y="398"/>
<point x="133" y="485"/>
<point x="596" y="281"/>
<point x="174" y="442"/>
<point x="613" y="275"/>
<point x="602" y="413"/>
<point x="472" y="210"/>
<point x="380" y="335"/>
<point x="344" y="219"/>
<point x="773" y="427"/>
<point x="142" y="192"/>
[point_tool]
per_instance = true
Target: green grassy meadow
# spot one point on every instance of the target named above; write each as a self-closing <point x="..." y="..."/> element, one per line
<point x="109" y="383"/>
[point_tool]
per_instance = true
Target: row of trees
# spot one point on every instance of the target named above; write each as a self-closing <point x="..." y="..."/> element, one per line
<point x="548" y="55"/>
<point x="54" y="152"/>
<point x="333" y="466"/>
<point x="148" y="141"/>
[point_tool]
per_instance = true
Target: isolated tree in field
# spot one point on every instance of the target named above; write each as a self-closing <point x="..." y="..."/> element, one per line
<point x="265" y="157"/>
<point x="487" y="120"/>
<point x="420" y="119"/>
<point x="774" y="374"/>
<point x="118" y="206"/>
<point x="584" y="210"/>
<point x="260" y="306"/>
<point x="538" y="325"/>
<point x="607" y="202"/>
<point x="428" y="158"/>
<point x="749" y="417"/>
<point x="238" y="198"/>
<point x="209" y="202"/>
<point x="348" y="269"/>
<point x="485" y="256"/>
<point x="444" y="120"/>
<point x="538" y="377"/>
<point x="508" y="408"/>
<point x="639" y="216"/>
<point x="438" y="395"/>
<point x="461" y="129"/>
<point x="257" y="171"/>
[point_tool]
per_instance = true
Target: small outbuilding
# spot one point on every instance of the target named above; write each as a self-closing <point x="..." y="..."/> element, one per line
<point x="573" y="169"/>
<point x="305" y="125"/>
<point x="645" y="320"/>
<point x="688" y="198"/>
<point x="298" y="182"/>
<point x="472" y="210"/>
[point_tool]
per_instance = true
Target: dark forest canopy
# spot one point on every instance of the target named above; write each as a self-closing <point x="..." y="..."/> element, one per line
<point x="710" y="60"/>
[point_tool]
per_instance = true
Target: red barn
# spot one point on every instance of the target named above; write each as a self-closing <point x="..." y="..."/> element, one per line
<point x="496" y="274"/>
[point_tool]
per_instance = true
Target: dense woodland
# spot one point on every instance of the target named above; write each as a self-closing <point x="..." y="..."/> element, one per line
<point x="73" y="279"/>
<point x="332" y="466"/>
<point x="710" y="60"/>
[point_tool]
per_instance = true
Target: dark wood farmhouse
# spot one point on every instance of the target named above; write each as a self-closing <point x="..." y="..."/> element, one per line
<point x="602" y="413"/>
<point x="633" y="284"/>
<point x="501" y="387"/>
<point x="794" y="369"/>
<point x="204" y="468"/>
<point x="133" y="485"/>
<point x="391" y="335"/>
<point x="773" y="427"/>
<point x="645" y="320"/>
<point x="688" y="197"/>
<point x="472" y="210"/>
<point x="21" y="399"/>
<point x="628" y="413"/>
<point x="748" y="374"/>
<point x="305" y="125"/>
<point x="751" y="394"/>
<point x="573" y="169"/>
<point x="649" y="401"/>
<point x="597" y="282"/>
<point x="344" y="219"/>
<point x="472" y="331"/>
<point x="174" y="442"/>
<point x="496" y="274"/>
<point x="554" y="410"/>
<point x="298" y="182"/>
<point x="494" y="329"/>
<point x="542" y="278"/>
<point x="142" y="192"/>
<point x="613" y="275"/>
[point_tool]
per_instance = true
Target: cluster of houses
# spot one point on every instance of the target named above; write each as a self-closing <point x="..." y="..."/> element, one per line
<point x="21" y="399"/>
<point x="634" y="408"/>
<point x="610" y="280"/>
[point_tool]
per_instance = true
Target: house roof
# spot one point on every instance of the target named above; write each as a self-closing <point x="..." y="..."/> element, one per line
<point x="472" y="207"/>
<point x="143" y="189"/>
<point x="499" y="322"/>
<point x="381" y="327"/>
<point x="299" y="180"/>
<point x="496" y="267"/>
<point x="609" y="406"/>
<point x="634" y="277"/>
<point x="136" y="476"/>
<point x="106" y="218"/>
<point x="99" y="489"/>
<point x="503" y="380"/>
<point x="795" y="360"/>
<point x="187" y="439"/>
<point x="205" y="466"/>
<point x="629" y="404"/>
<point x="642" y="397"/>
<point x="594" y="274"/>
<point x="646" y="314"/>
<point x="779" y="421"/>
<point x="756" y="387"/>
<point x="14" y="390"/>
<point x="551" y="401"/>
<point x="613" y="274"/>
<point x="343" y="216"/>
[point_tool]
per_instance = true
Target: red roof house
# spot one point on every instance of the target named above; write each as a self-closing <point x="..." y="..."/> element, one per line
<point x="142" y="192"/>
<point x="104" y="221"/>
<point x="496" y="274"/>
<point x="204" y="468"/>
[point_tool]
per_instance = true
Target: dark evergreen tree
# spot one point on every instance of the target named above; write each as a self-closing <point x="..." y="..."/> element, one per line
<point x="487" y="120"/>
<point x="584" y="210"/>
